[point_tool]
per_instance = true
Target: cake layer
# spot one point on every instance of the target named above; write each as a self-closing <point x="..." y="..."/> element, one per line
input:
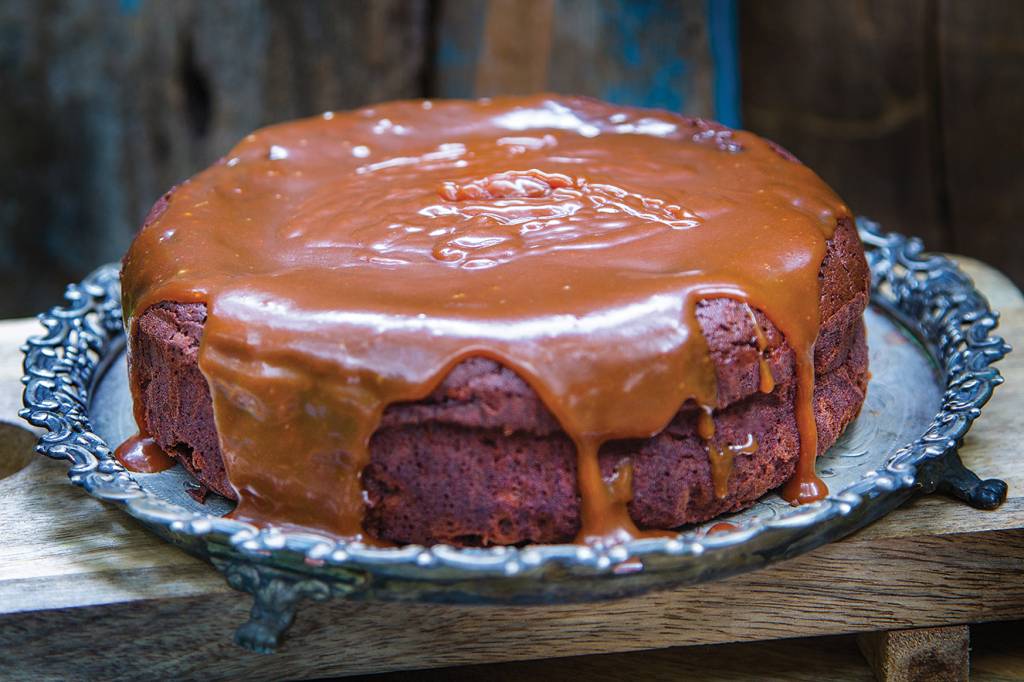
<point x="435" y="482"/>
<point x="456" y="472"/>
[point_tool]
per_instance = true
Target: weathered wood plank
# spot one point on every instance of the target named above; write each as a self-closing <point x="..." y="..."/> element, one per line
<point x="846" y="587"/>
<point x="109" y="103"/>
<point x="996" y="656"/>
<point x="996" y="652"/>
<point x="12" y="334"/>
<point x="935" y="654"/>
<point x="847" y="87"/>
<point x="981" y="60"/>
<point x="652" y="54"/>
<point x="835" y="659"/>
<point x="516" y="47"/>
<point x="458" y="33"/>
<point x="76" y="571"/>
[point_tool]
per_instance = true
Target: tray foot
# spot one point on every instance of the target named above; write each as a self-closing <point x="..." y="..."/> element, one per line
<point x="276" y="595"/>
<point x="948" y="475"/>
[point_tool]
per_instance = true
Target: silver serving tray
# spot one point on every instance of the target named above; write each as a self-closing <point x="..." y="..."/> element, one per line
<point x="931" y="342"/>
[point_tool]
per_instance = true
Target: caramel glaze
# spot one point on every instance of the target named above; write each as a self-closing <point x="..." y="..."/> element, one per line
<point x="721" y="457"/>
<point x="142" y="455"/>
<point x="349" y="261"/>
<point x="767" y="381"/>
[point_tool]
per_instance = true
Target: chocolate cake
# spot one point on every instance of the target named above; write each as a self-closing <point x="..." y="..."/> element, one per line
<point x="509" y="321"/>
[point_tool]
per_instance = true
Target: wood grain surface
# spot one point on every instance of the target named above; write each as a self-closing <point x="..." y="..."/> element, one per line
<point x="933" y="654"/>
<point x="109" y="103"/>
<point x="652" y="53"/>
<point x="980" y="67"/>
<point x="995" y="656"/>
<point x="911" y="110"/>
<point x="863" y="101"/>
<point x="86" y="592"/>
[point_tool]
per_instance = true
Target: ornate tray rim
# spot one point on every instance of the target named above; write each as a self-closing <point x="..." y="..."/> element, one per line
<point x="928" y="293"/>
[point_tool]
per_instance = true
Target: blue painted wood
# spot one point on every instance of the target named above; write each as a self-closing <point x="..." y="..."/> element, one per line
<point x="679" y="55"/>
<point x="457" y="44"/>
<point x="653" y="65"/>
<point x="723" y="33"/>
<point x="653" y="53"/>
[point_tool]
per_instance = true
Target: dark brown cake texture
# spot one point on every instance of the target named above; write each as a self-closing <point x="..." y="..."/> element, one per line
<point x="483" y="462"/>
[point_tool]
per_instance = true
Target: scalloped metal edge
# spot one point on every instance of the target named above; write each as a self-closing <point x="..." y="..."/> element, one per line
<point x="928" y="292"/>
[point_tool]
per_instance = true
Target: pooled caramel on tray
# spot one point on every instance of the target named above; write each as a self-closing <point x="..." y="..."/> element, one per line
<point x="349" y="261"/>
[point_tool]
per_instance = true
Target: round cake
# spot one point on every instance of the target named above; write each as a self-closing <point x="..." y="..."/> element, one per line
<point x="506" y="321"/>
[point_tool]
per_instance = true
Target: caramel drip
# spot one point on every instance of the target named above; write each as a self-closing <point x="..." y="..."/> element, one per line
<point x="721" y="458"/>
<point x="350" y="261"/>
<point x="767" y="381"/>
<point x="142" y="455"/>
<point x="603" y="512"/>
<point x="805" y="486"/>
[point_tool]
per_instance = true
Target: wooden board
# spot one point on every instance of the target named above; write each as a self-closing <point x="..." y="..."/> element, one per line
<point x="653" y="54"/>
<point x="995" y="656"/>
<point x="936" y="654"/>
<point x="847" y="87"/>
<point x="76" y="575"/>
<point x="911" y="110"/>
<point x="108" y="104"/>
<point x="981" y="99"/>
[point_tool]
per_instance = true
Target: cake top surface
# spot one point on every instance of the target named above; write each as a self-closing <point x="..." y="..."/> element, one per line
<point x="348" y="261"/>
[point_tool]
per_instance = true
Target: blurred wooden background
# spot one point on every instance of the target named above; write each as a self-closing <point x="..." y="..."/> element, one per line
<point x="911" y="109"/>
